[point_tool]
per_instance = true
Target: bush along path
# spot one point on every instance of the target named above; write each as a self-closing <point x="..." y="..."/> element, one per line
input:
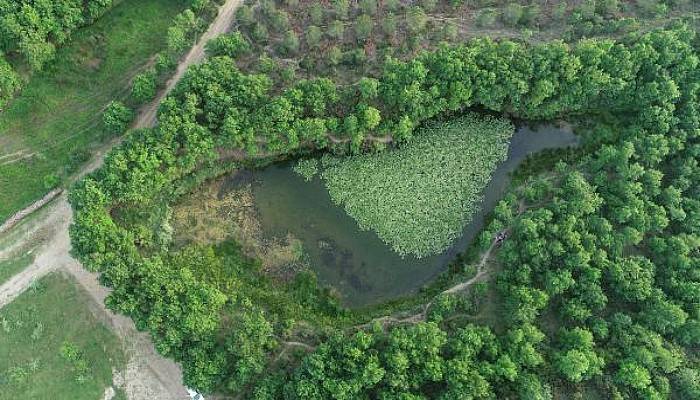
<point x="55" y="251"/>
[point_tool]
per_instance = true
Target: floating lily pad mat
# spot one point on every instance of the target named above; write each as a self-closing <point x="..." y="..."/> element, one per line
<point x="419" y="197"/>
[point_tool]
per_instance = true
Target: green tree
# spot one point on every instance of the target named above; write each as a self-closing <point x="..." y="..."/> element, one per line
<point x="143" y="88"/>
<point x="633" y="278"/>
<point x="117" y="117"/>
<point x="576" y="358"/>
<point x="369" y="88"/>
<point x="232" y="45"/>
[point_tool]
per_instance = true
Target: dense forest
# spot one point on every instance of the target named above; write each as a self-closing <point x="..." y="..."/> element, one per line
<point x="598" y="287"/>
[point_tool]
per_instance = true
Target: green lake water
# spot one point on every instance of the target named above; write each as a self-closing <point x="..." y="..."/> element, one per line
<point x="357" y="263"/>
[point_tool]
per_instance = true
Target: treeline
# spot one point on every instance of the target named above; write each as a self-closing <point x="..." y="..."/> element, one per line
<point x="649" y="86"/>
<point x="33" y="29"/>
<point x="181" y="35"/>
<point x="532" y="82"/>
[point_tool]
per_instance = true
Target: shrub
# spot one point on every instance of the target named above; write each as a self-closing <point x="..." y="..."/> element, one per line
<point x="607" y="7"/>
<point x="450" y="31"/>
<point x="260" y="33"/>
<point x="267" y="65"/>
<point x="290" y="43"/>
<point x="334" y="55"/>
<point x="392" y="5"/>
<point x="313" y="36"/>
<point x="363" y="27"/>
<point x="512" y="14"/>
<point x="51" y="181"/>
<point x="179" y="33"/>
<point x="245" y="15"/>
<point x="267" y="7"/>
<point x="486" y="18"/>
<point x="559" y="12"/>
<point x="355" y="57"/>
<point x="336" y="29"/>
<point x="144" y="86"/>
<point x="428" y="5"/>
<point x="232" y="45"/>
<point x="9" y="81"/>
<point x="288" y="74"/>
<point x="368" y="6"/>
<point x="531" y="15"/>
<point x="389" y="24"/>
<point x="164" y="63"/>
<point x="416" y="20"/>
<point x="117" y="117"/>
<point x="341" y="8"/>
<point x="76" y="159"/>
<point x="307" y="169"/>
<point x="280" y="21"/>
<point x="316" y="14"/>
<point x="75" y="357"/>
<point x="652" y="8"/>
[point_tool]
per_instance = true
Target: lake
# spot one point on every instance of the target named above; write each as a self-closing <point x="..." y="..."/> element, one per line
<point x="357" y="263"/>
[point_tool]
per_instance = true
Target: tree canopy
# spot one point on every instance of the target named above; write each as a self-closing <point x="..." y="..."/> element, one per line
<point x="606" y="248"/>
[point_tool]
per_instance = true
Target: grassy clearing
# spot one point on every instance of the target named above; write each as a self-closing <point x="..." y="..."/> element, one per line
<point x="52" y="347"/>
<point x="419" y="198"/>
<point x="11" y="267"/>
<point x="57" y="117"/>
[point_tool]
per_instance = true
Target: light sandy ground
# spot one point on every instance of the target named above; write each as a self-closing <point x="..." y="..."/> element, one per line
<point x="148" y="375"/>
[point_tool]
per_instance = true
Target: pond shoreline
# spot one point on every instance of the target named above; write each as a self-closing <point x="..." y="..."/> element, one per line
<point x="355" y="263"/>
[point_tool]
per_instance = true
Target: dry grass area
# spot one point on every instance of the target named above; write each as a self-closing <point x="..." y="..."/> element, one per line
<point x="210" y="216"/>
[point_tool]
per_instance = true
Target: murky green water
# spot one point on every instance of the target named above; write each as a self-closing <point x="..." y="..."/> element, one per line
<point x="357" y="263"/>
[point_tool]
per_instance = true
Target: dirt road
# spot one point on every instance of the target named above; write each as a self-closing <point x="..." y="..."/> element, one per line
<point x="148" y="375"/>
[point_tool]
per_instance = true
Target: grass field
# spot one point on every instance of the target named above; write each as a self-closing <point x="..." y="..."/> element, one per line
<point x="57" y="116"/>
<point x="52" y="347"/>
<point x="11" y="267"/>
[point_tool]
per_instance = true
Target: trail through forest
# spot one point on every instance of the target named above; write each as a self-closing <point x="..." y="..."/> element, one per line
<point x="148" y="375"/>
<point x="481" y="273"/>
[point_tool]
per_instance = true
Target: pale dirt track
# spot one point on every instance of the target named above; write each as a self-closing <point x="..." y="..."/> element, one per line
<point x="148" y="375"/>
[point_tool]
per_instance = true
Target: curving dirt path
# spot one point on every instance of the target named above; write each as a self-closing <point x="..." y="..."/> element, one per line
<point x="148" y="375"/>
<point x="481" y="273"/>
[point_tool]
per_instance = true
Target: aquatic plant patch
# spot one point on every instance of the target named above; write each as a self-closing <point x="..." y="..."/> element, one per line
<point x="419" y="197"/>
<point x="307" y="169"/>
